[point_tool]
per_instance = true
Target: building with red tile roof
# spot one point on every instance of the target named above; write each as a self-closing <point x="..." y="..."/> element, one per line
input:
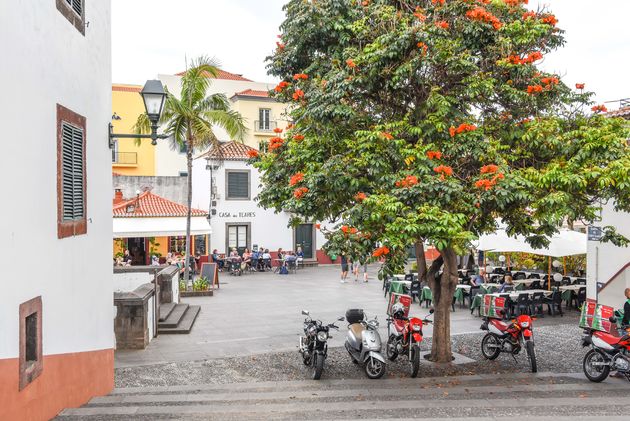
<point x="229" y="151"/>
<point x="222" y="74"/>
<point x="252" y="93"/>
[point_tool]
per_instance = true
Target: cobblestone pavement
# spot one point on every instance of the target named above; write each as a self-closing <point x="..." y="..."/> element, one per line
<point x="261" y="312"/>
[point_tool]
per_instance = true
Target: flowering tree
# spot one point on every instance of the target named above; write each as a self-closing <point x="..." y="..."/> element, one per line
<point x="427" y="121"/>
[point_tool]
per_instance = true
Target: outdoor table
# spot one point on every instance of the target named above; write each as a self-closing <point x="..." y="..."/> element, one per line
<point x="569" y="290"/>
<point x="400" y="277"/>
<point x="400" y="287"/>
<point x="486" y="288"/>
<point x="425" y="295"/>
<point x="459" y="292"/>
<point x="514" y="294"/>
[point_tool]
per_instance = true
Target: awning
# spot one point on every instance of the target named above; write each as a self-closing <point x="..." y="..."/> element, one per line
<point x="159" y="227"/>
<point x="564" y="243"/>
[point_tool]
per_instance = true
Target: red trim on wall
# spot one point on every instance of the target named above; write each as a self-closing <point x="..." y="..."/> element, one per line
<point x="619" y="272"/>
<point x="67" y="380"/>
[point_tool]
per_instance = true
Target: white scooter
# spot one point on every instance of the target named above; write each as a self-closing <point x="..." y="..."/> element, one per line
<point x="363" y="343"/>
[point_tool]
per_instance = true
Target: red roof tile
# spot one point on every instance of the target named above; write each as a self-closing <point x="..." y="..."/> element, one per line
<point x="251" y="92"/>
<point x="149" y="205"/>
<point x="621" y="112"/>
<point x="229" y="151"/>
<point x="222" y="74"/>
<point x="126" y="88"/>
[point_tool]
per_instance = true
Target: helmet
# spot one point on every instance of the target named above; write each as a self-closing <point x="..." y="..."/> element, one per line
<point x="398" y="310"/>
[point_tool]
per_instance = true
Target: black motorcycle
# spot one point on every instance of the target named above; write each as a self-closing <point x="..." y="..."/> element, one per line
<point x="314" y="343"/>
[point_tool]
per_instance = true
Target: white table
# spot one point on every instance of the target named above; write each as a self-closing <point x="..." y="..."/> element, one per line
<point x="464" y="287"/>
<point x="514" y="294"/>
<point x="399" y="276"/>
<point x="527" y="282"/>
<point x="575" y="288"/>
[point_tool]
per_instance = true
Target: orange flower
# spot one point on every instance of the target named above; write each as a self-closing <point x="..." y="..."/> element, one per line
<point x="434" y="155"/>
<point x="550" y="20"/>
<point x="528" y="15"/>
<point x="277" y="130"/>
<point x="515" y="2"/>
<point x="442" y="24"/>
<point x="318" y="226"/>
<point x="444" y="170"/>
<point x="550" y="80"/>
<point x="599" y="108"/>
<point x="381" y="251"/>
<point x="463" y="128"/>
<point x="275" y="143"/>
<point x="387" y="135"/>
<point x="252" y="153"/>
<point x="410" y="180"/>
<point x="360" y="197"/>
<point x="281" y="86"/>
<point x="300" y="192"/>
<point x="420" y="15"/>
<point x="345" y="229"/>
<point x="579" y="86"/>
<point x="351" y="64"/>
<point x="440" y="2"/>
<point x="452" y="131"/>
<point x="280" y="46"/>
<point x="423" y="47"/>
<point x="482" y="15"/>
<point x="298" y="94"/>
<point x="534" y="89"/>
<point x="299" y="76"/>
<point x="298" y="137"/>
<point x="484" y="184"/>
<point x="489" y="169"/>
<point x="290" y="126"/>
<point x="353" y="230"/>
<point x="296" y="178"/>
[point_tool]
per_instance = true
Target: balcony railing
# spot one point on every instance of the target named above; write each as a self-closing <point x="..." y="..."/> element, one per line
<point x="265" y="126"/>
<point x="125" y="158"/>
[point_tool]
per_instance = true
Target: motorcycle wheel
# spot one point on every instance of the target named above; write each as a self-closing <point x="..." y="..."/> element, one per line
<point x="318" y="366"/>
<point x="415" y="361"/>
<point x="306" y="360"/>
<point x="390" y="349"/>
<point x="490" y="346"/>
<point x="531" y="355"/>
<point x="374" y="368"/>
<point x="596" y="373"/>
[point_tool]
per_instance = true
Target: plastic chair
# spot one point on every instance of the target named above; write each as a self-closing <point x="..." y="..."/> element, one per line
<point x="536" y="304"/>
<point x="554" y="304"/>
<point x="523" y="303"/>
<point x="292" y="266"/>
<point x="415" y="290"/>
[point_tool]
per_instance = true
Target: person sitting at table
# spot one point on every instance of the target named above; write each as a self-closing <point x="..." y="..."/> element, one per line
<point x="247" y="257"/>
<point x="300" y="255"/>
<point x="217" y="259"/>
<point x="291" y="257"/>
<point x="479" y="278"/>
<point x="266" y="257"/>
<point x="280" y="254"/>
<point x="507" y="285"/>
<point x="234" y="252"/>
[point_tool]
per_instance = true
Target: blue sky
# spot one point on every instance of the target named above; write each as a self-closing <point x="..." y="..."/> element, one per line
<point x="154" y="36"/>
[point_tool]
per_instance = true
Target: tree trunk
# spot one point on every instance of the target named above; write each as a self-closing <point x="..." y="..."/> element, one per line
<point x="421" y="261"/>
<point x="189" y="152"/>
<point x="443" y="290"/>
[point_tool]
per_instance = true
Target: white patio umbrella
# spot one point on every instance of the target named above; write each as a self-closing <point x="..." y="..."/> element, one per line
<point x="564" y="243"/>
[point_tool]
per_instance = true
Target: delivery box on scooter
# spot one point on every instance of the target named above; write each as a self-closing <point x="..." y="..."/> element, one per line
<point x="403" y="299"/>
<point x="354" y="315"/>
<point x="492" y="306"/>
<point x="596" y="316"/>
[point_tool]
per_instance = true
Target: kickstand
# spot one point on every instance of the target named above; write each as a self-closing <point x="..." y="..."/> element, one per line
<point x="515" y="360"/>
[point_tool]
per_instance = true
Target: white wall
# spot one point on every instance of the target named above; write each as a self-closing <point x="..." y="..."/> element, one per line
<point x="126" y="282"/>
<point x="169" y="162"/>
<point x="46" y="61"/>
<point x="604" y="260"/>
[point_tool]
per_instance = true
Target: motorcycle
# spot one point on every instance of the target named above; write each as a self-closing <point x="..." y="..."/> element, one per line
<point x="404" y="337"/>
<point x="608" y="352"/>
<point x="509" y="338"/>
<point x="314" y="344"/>
<point x="363" y="343"/>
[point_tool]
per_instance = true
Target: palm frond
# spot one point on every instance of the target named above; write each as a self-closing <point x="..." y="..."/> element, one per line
<point x="142" y="126"/>
<point x="231" y="121"/>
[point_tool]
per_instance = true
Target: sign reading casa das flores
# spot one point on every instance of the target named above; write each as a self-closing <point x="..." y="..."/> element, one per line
<point x="237" y="214"/>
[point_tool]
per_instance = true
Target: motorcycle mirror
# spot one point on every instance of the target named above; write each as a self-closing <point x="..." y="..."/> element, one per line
<point x="341" y="319"/>
<point x="431" y="311"/>
<point x="305" y="312"/>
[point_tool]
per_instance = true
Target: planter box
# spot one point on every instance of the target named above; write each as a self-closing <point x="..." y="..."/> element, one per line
<point x="208" y="293"/>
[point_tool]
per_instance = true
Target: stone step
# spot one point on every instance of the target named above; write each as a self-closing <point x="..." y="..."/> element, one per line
<point x="185" y="324"/>
<point x="174" y="317"/>
<point x="165" y="310"/>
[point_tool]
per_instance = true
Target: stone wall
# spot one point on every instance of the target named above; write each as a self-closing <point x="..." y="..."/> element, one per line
<point x="131" y="325"/>
<point x="171" y="188"/>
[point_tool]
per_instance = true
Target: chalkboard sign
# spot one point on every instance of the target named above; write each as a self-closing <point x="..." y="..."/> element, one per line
<point x="211" y="272"/>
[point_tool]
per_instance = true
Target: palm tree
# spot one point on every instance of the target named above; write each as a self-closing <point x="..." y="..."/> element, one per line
<point x="189" y="121"/>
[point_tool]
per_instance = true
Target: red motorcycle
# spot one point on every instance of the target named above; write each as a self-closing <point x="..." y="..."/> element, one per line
<point x="509" y="338"/>
<point x="404" y="336"/>
<point x="608" y="352"/>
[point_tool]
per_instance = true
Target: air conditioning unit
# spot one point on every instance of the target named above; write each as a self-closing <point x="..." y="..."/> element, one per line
<point x="214" y="211"/>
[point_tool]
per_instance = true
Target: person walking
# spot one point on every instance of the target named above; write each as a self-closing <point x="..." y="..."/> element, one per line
<point x="365" y="274"/>
<point x="344" y="268"/>
<point x="355" y="269"/>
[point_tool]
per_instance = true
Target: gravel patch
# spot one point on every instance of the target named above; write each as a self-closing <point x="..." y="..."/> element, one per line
<point x="558" y="348"/>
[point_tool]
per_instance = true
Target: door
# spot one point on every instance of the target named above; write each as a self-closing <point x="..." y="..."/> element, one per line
<point x="304" y="239"/>
<point x="237" y="237"/>
<point x="137" y="250"/>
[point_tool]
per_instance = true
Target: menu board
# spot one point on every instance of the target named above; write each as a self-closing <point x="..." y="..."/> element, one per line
<point x="211" y="272"/>
<point x="492" y="306"/>
<point x="596" y="316"/>
<point x="403" y="299"/>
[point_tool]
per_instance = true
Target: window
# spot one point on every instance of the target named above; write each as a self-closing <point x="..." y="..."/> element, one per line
<point x="31" y="363"/>
<point x="71" y="179"/>
<point x="177" y="245"/>
<point x="237" y="185"/>
<point x="200" y="245"/>
<point x="183" y="173"/>
<point x="264" y="119"/>
<point x="238" y="237"/>
<point x="73" y="11"/>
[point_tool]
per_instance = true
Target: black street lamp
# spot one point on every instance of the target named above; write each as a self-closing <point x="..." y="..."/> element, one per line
<point x="153" y="96"/>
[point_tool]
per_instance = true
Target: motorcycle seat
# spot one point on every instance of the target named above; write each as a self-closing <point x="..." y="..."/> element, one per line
<point x="500" y="325"/>
<point x="608" y="338"/>
<point x="357" y="330"/>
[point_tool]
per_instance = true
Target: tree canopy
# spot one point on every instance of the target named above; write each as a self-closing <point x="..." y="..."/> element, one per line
<point x="429" y="121"/>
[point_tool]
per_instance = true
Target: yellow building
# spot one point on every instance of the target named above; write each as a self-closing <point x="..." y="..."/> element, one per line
<point x="129" y="158"/>
<point x="261" y="113"/>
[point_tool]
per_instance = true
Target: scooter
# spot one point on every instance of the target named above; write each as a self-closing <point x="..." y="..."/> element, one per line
<point x="314" y="343"/>
<point x="363" y="343"/>
<point x="405" y="335"/>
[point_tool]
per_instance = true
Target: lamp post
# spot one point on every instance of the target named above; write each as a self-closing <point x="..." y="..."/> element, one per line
<point x="153" y="96"/>
<point x="212" y="164"/>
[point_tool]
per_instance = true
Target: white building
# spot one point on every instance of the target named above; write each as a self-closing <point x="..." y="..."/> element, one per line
<point x="56" y="316"/>
<point x="238" y="221"/>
